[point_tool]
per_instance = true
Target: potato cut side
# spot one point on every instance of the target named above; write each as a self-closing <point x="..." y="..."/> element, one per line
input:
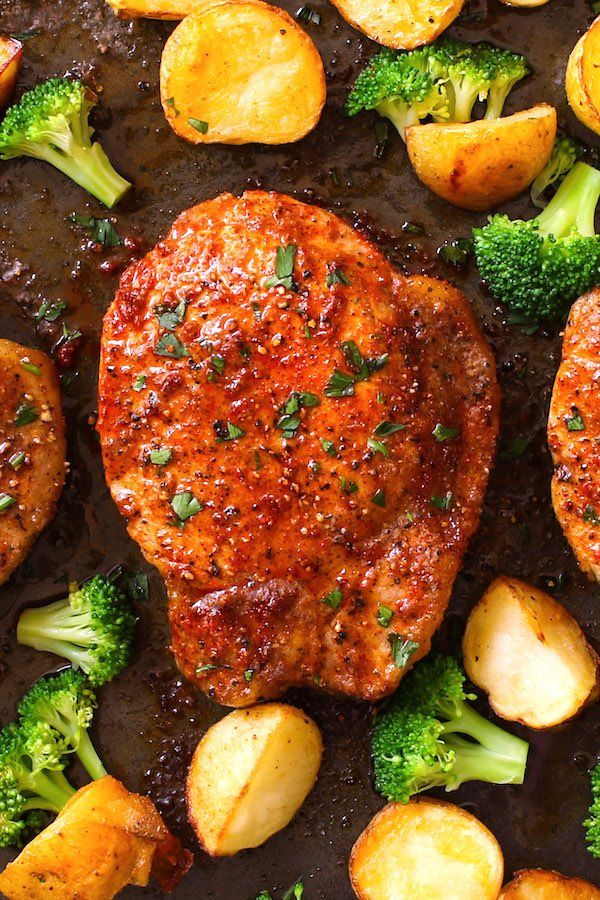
<point x="478" y="165"/>
<point x="241" y="71"/>
<point x="426" y="850"/>
<point x="11" y="52"/>
<point x="537" y="884"/>
<point x="403" y="24"/>
<point x="529" y="654"/>
<point x="583" y="78"/>
<point x="250" y="775"/>
<point x="158" y="9"/>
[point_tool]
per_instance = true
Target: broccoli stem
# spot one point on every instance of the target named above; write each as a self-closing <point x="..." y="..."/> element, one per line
<point x="574" y="204"/>
<point x="53" y="792"/>
<point x="56" y="623"/>
<point x="400" y="114"/>
<point x="89" y="167"/>
<point x="497" y="756"/>
<point x="89" y="758"/>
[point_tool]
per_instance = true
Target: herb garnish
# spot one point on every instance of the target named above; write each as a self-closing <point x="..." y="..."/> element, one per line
<point x="378" y="498"/>
<point x="17" y="460"/>
<point x="456" y="253"/>
<point x="5" y="501"/>
<point x="575" y="422"/>
<point x="444" y="502"/>
<point x="170" y="317"/>
<point x="443" y="433"/>
<point x="384" y="615"/>
<point x="382" y="133"/>
<point x="217" y="364"/>
<point x="341" y="384"/>
<point x="248" y="675"/>
<point x="296" y="892"/>
<point x="199" y="124"/>
<point x="333" y="599"/>
<point x="309" y="15"/>
<point x="385" y="429"/>
<point x="139" y="384"/>
<point x="514" y="448"/>
<point x="170" y="345"/>
<point x="284" y="267"/>
<point x="590" y="515"/>
<point x="50" y="312"/>
<point x="402" y="649"/>
<point x="170" y="101"/>
<point x="31" y="367"/>
<point x="336" y="276"/>
<point x="227" y="431"/>
<point x="25" y="414"/>
<point x="210" y="667"/>
<point x="289" y="420"/>
<point x="377" y="447"/>
<point x="161" y="457"/>
<point x="102" y="231"/>
<point x="185" y="505"/>
<point x="348" y="487"/>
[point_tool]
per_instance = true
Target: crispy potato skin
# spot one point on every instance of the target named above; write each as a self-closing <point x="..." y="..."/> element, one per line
<point x="11" y="52"/>
<point x="36" y="485"/>
<point x="481" y="164"/>
<point x="250" y="774"/>
<point x="583" y="78"/>
<point x="402" y="24"/>
<point x="245" y="68"/>
<point x="538" y="884"/>
<point x="426" y="850"/>
<point x="247" y="575"/>
<point x="529" y="654"/>
<point x="576" y="454"/>
<point x="157" y="9"/>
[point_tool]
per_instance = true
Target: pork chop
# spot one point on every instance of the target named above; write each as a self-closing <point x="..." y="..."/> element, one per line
<point x="300" y="440"/>
<point x="574" y="434"/>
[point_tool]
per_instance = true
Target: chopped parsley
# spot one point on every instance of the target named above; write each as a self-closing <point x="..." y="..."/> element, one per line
<point x="199" y="124"/>
<point x="185" y="505"/>
<point x="296" y="892"/>
<point x="284" y="267"/>
<point x="575" y="422"/>
<point x="443" y="433"/>
<point x="444" y="502"/>
<point x="333" y="599"/>
<point x="170" y="317"/>
<point x="170" y="345"/>
<point x="25" y="414"/>
<point x="257" y="311"/>
<point x="514" y="448"/>
<point x="6" y="501"/>
<point x="140" y="383"/>
<point x="50" y="312"/>
<point x="329" y="447"/>
<point x="377" y="447"/>
<point x="402" y="649"/>
<point x="385" y="429"/>
<point x="336" y="276"/>
<point x="16" y="460"/>
<point x="31" y="367"/>
<point x="348" y="487"/>
<point x="227" y="431"/>
<point x="210" y="667"/>
<point x="170" y="101"/>
<point x="289" y="419"/>
<point x="257" y="462"/>
<point x="341" y="384"/>
<point x="456" y="253"/>
<point x="161" y="457"/>
<point x="102" y="231"/>
<point x="378" y="498"/>
<point x="590" y="515"/>
<point x="217" y="364"/>
<point x="384" y="615"/>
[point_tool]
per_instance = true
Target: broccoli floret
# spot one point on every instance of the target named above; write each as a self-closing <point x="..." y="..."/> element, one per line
<point x="442" y="81"/>
<point x="31" y="778"/>
<point x="66" y="703"/>
<point x="93" y="627"/>
<point x="564" y="156"/>
<point x="50" y="122"/>
<point x="539" y="267"/>
<point x="429" y="736"/>
<point x="592" y="823"/>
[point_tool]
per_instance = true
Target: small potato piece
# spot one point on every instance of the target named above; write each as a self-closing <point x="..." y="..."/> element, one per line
<point x="583" y="78"/>
<point x="157" y="9"/>
<point x="11" y="52"/>
<point x="241" y="71"/>
<point x="478" y="165"/>
<point x="524" y="4"/>
<point x="537" y="884"/>
<point x="426" y="850"/>
<point x="529" y="654"/>
<point x="402" y="24"/>
<point x="250" y="775"/>
<point x="32" y="459"/>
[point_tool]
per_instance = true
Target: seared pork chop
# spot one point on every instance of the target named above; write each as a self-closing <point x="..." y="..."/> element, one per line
<point x="300" y="440"/>
<point x="32" y="450"/>
<point x="574" y="434"/>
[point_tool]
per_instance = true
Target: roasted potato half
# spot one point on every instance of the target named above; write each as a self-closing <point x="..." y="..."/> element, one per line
<point x="250" y="775"/>
<point x="241" y="71"/>
<point x="426" y="850"/>
<point x="157" y="9"/>
<point x="583" y="78"/>
<point x="529" y="654"/>
<point x="537" y="884"/>
<point x="11" y="52"/>
<point x="402" y="24"/>
<point x="478" y="165"/>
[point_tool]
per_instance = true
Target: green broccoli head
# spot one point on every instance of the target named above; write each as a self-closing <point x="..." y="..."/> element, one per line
<point x="565" y="154"/>
<point x="50" y="122"/>
<point x="12" y="806"/>
<point x="592" y="823"/>
<point x="66" y="703"/>
<point x="539" y="267"/>
<point x="93" y="627"/>
<point x="429" y="736"/>
<point x="32" y="763"/>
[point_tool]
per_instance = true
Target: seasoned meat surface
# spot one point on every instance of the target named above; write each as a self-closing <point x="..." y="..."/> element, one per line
<point x="574" y="434"/>
<point x="32" y="450"/>
<point x="324" y="430"/>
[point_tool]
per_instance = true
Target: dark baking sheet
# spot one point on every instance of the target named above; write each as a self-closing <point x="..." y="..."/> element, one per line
<point x="149" y="720"/>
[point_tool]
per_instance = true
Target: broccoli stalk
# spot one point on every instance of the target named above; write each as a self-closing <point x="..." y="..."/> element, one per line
<point x="429" y="736"/>
<point x="66" y="703"/>
<point x="565" y="154"/>
<point x="93" y="627"/>
<point x="540" y="266"/>
<point x="50" y="122"/>
<point x="592" y="823"/>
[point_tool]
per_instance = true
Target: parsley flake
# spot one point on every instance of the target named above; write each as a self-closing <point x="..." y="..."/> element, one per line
<point x="217" y="364"/>
<point x="348" y="487"/>
<point x="25" y="414"/>
<point x="50" y="312"/>
<point x="443" y="433"/>
<point x="575" y="422"/>
<point x="227" y="431"/>
<point x="6" y="501"/>
<point x="185" y="505"/>
<point x="199" y="124"/>
<point x="384" y="615"/>
<point x="329" y="447"/>
<point x="590" y="515"/>
<point x="336" y="276"/>
<point x="16" y="460"/>
<point x="289" y="419"/>
<point x="333" y="599"/>
<point x="402" y="649"/>
<point x="102" y="231"/>
<point x="378" y="498"/>
<point x="385" y="429"/>
<point x="341" y="384"/>
<point x="161" y="457"/>
<point x="444" y="502"/>
<point x="170" y="317"/>
<point x="30" y="367"/>
<point x="169" y="345"/>
<point x="377" y="447"/>
<point x="139" y="384"/>
<point x="284" y="267"/>
<point x="248" y="675"/>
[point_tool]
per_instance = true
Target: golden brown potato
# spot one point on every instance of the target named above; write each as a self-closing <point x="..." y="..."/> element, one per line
<point x="104" y="839"/>
<point x="426" y="850"/>
<point x="529" y="654"/>
<point x="250" y="775"/>
<point x="536" y="884"/>
<point x="403" y="24"/>
<point x="241" y="71"/>
<point x="157" y="9"/>
<point x="11" y="52"/>
<point x="583" y="78"/>
<point x="524" y="4"/>
<point x="478" y="165"/>
<point x="32" y="450"/>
